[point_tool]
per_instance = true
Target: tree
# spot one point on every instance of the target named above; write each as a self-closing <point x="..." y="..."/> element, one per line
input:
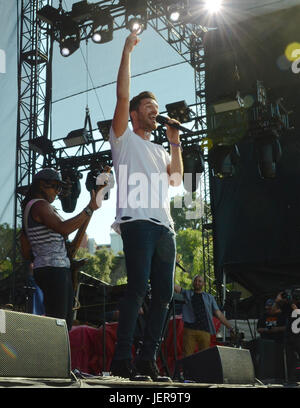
<point x="186" y="211"/>
<point x="6" y="250"/>
<point x="104" y="265"/>
<point x="189" y="255"/>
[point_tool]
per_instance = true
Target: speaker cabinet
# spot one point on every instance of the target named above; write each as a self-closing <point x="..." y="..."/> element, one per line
<point x="218" y="365"/>
<point x="268" y="358"/>
<point x="33" y="346"/>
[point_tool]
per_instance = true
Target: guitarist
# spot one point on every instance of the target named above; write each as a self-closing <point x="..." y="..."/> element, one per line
<point x="43" y="240"/>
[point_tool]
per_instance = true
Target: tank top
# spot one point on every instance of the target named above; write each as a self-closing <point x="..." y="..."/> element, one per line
<point x="48" y="247"/>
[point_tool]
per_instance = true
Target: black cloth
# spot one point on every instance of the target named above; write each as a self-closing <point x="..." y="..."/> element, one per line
<point x="268" y="321"/>
<point x="200" y="313"/>
<point x="56" y="284"/>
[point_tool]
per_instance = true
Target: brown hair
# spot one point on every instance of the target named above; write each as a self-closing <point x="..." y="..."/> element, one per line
<point x="135" y="101"/>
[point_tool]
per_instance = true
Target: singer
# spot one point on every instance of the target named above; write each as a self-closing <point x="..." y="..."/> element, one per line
<point x="147" y="233"/>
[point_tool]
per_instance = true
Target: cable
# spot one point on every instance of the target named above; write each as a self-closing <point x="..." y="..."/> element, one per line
<point x="113" y="82"/>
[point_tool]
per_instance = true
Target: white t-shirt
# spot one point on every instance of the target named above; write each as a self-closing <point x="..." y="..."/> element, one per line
<point x="142" y="180"/>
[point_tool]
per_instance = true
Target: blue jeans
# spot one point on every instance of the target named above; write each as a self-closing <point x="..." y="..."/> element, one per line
<point x="149" y="251"/>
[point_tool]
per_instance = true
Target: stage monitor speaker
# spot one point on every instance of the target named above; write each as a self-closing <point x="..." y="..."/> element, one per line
<point x="33" y="346"/>
<point x="218" y="365"/>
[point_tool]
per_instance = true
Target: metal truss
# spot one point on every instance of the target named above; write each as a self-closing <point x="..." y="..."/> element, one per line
<point x="36" y="40"/>
<point x="33" y="109"/>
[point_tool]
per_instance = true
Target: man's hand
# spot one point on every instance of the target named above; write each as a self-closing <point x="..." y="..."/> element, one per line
<point x="131" y="41"/>
<point x="173" y="133"/>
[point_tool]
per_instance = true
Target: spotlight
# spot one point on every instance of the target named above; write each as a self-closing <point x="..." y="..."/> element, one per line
<point x="41" y="145"/>
<point x="68" y="46"/>
<point x="213" y="6"/>
<point x="78" y="137"/>
<point x="176" y="10"/>
<point x="135" y="15"/>
<point x="268" y="150"/>
<point x="69" y="36"/>
<point x="193" y="164"/>
<point x="179" y="111"/>
<point x="49" y="15"/>
<point x="104" y="128"/>
<point x="174" y="14"/>
<point x="102" y="36"/>
<point x="102" y="27"/>
<point x="72" y="177"/>
<point x="137" y="25"/>
<point x="223" y="159"/>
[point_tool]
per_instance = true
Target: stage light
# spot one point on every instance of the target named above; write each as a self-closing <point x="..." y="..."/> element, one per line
<point x="102" y="27"/>
<point x="82" y="11"/>
<point x="174" y="14"/>
<point x="223" y="159"/>
<point x="193" y="165"/>
<point x="136" y="25"/>
<point x="104" y="128"/>
<point x="69" y="36"/>
<point x="213" y="6"/>
<point x="179" y="111"/>
<point x="49" y="15"/>
<point x="78" y="137"/>
<point x="69" y="199"/>
<point x="41" y="145"/>
<point x="269" y="152"/>
<point x="68" y="46"/>
<point x="176" y="10"/>
<point x="135" y="15"/>
<point x="102" y="36"/>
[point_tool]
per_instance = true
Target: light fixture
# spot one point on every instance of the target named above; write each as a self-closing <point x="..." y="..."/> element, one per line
<point x="69" y="200"/>
<point x="223" y="160"/>
<point x="179" y="111"/>
<point x="176" y="10"/>
<point x="78" y="137"/>
<point x="135" y="15"/>
<point x="104" y="128"/>
<point x="102" y="31"/>
<point x="269" y="152"/>
<point x="193" y="165"/>
<point x="136" y="25"/>
<point x="68" y="46"/>
<point x="41" y="145"/>
<point x="82" y="11"/>
<point x="213" y="6"/>
<point x="69" y="36"/>
<point x="48" y="14"/>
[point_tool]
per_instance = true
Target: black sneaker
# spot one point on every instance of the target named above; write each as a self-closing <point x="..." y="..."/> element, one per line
<point x="149" y="368"/>
<point x="122" y="368"/>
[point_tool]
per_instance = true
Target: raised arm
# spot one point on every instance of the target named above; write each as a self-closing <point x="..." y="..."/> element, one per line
<point x="175" y="168"/>
<point x="44" y="213"/>
<point x="120" y="119"/>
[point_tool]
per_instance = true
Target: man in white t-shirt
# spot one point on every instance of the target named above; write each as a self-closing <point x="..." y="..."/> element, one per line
<point x="143" y="171"/>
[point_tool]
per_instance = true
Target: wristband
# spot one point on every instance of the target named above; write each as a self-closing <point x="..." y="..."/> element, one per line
<point x="176" y="145"/>
<point x="88" y="211"/>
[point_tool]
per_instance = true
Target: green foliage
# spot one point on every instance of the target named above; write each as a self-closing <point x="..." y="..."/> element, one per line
<point x="6" y="250"/>
<point x="189" y="255"/>
<point x="186" y="211"/>
<point x="100" y="265"/>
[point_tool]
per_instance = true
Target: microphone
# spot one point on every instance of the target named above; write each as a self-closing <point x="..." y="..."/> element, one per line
<point x="165" y="121"/>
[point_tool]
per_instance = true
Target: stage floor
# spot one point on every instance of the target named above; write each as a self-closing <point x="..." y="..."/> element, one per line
<point x="114" y="384"/>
